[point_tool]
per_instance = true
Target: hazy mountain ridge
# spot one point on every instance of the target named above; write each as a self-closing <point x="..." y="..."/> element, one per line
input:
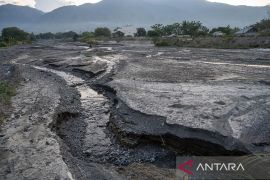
<point x="120" y="12"/>
<point x="13" y="13"/>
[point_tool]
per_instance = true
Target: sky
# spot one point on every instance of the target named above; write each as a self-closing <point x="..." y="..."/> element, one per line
<point x="48" y="5"/>
<point x="244" y="2"/>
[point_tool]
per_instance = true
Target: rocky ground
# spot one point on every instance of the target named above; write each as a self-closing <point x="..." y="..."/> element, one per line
<point x="125" y="111"/>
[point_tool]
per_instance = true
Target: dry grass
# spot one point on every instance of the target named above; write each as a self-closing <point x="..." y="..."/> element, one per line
<point x="2" y="119"/>
<point x="6" y="92"/>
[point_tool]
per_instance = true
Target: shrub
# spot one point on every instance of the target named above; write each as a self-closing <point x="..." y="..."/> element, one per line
<point x="66" y="35"/>
<point x="92" y="42"/>
<point x="263" y="25"/>
<point x="86" y="36"/>
<point x="162" y="42"/>
<point x="3" y="44"/>
<point x="103" y="32"/>
<point x="2" y="118"/>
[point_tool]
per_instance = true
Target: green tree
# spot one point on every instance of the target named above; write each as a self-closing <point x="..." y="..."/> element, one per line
<point x="75" y="37"/>
<point x="193" y="28"/>
<point x="159" y="29"/>
<point x="32" y="37"/>
<point x="172" y="29"/>
<point x="14" y="34"/>
<point x="118" y="34"/>
<point x="87" y="35"/>
<point x="47" y="35"/>
<point x="168" y="29"/>
<point x="141" y="32"/>
<point x="177" y="28"/>
<point x="263" y="25"/>
<point x="102" y="32"/>
<point x="203" y="31"/>
<point x="3" y="44"/>
<point x="152" y="33"/>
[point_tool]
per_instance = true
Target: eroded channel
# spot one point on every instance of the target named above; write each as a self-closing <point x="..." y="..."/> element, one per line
<point x="89" y="137"/>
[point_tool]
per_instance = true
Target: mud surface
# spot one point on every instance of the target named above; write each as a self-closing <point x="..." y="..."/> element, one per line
<point x="218" y="96"/>
<point x="125" y="111"/>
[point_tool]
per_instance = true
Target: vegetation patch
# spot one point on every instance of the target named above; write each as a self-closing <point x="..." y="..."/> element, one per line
<point x="2" y="118"/>
<point x="13" y="35"/>
<point x="163" y="42"/>
<point x="227" y="42"/>
<point x="3" y="44"/>
<point x="194" y="34"/>
<point x="6" y="92"/>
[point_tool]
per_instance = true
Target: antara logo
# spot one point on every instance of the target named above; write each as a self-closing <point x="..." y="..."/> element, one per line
<point x="220" y="167"/>
<point x="183" y="167"/>
<point x="187" y="167"/>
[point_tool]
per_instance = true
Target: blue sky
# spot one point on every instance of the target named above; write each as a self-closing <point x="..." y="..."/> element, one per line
<point x="48" y="5"/>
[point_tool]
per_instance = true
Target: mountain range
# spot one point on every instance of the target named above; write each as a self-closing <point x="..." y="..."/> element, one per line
<point x="113" y="13"/>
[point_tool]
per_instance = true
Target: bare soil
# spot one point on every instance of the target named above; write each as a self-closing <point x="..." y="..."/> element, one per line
<point x="125" y="111"/>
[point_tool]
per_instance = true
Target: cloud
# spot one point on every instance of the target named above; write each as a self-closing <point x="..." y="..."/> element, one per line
<point x="19" y="2"/>
<point x="244" y="2"/>
<point x="79" y="2"/>
<point x="49" y="5"/>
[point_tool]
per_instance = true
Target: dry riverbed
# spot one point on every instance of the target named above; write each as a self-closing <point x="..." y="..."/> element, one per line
<point x="125" y="111"/>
